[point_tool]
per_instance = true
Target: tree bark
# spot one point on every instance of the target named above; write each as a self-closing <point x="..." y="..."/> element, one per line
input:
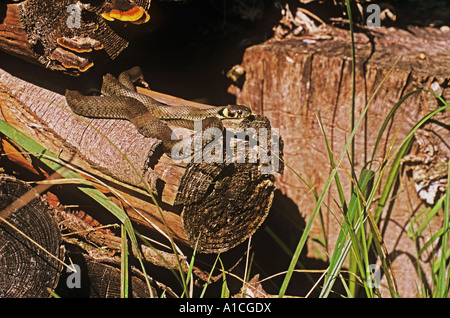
<point x="223" y="203"/>
<point x="291" y="81"/>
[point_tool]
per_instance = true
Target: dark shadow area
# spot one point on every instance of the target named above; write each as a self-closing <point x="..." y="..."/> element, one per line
<point x="271" y="252"/>
<point x="274" y="244"/>
<point x="190" y="52"/>
<point x="2" y="12"/>
<point x="185" y="50"/>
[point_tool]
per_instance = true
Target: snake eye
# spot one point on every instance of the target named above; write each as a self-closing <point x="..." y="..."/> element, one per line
<point x="234" y="112"/>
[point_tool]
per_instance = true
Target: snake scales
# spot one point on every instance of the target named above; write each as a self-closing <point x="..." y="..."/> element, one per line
<point x="120" y="100"/>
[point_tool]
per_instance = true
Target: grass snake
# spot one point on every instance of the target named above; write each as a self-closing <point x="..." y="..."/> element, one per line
<point x="120" y="100"/>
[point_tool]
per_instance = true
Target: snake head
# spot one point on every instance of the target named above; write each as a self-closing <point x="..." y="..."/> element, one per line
<point x="235" y="112"/>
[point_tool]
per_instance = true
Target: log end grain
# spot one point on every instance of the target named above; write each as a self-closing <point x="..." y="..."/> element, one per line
<point x="26" y="270"/>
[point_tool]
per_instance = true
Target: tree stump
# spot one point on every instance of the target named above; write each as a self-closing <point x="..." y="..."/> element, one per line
<point x="290" y="81"/>
<point x="217" y="204"/>
<point x="29" y="237"/>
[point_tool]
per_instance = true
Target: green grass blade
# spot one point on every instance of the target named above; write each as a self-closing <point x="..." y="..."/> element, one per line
<point x="383" y="255"/>
<point x="190" y="269"/>
<point x="429" y="213"/>
<point x="386" y="121"/>
<point x="424" y="219"/>
<point x="443" y="277"/>
<point x="225" y="293"/>
<point x="333" y="166"/>
<point x="439" y="233"/>
<point x="349" y="228"/>
<point x="209" y="277"/>
<point x="352" y="37"/>
<point x="124" y="264"/>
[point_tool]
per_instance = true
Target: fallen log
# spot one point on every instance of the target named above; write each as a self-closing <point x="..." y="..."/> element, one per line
<point x="219" y="204"/>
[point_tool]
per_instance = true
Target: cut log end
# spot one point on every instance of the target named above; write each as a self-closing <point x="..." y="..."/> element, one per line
<point x="238" y="203"/>
<point x="225" y="203"/>
<point x="26" y="270"/>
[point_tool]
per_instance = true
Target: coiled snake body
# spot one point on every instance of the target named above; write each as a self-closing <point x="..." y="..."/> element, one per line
<point x="120" y="100"/>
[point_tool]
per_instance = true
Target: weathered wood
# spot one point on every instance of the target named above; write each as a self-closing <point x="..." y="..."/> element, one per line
<point x="81" y="229"/>
<point x="37" y="31"/>
<point x="102" y="279"/>
<point x="12" y="36"/>
<point x="28" y="236"/>
<point x="41" y="123"/>
<point x="291" y="81"/>
<point x="225" y="203"/>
